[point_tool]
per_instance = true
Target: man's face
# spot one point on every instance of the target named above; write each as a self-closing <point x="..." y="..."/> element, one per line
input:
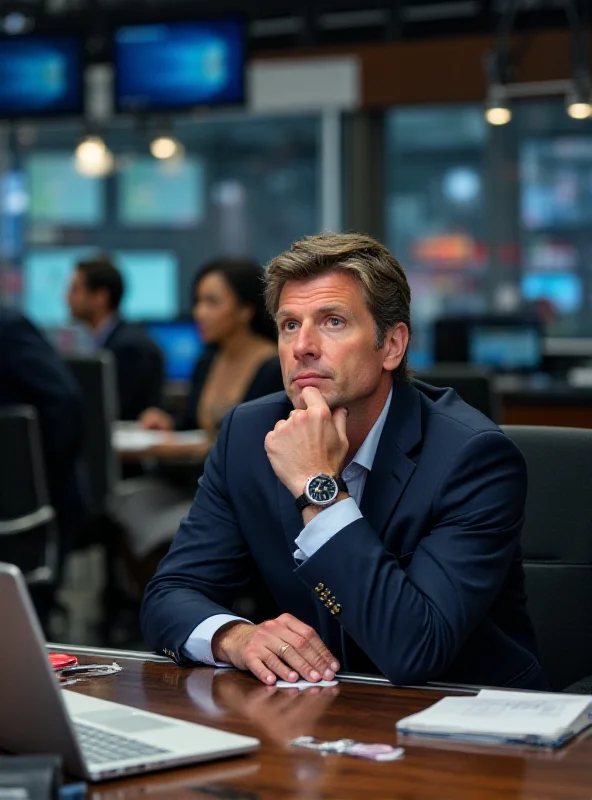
<point x="80" y="299"/>
<point x="327" y="339"/>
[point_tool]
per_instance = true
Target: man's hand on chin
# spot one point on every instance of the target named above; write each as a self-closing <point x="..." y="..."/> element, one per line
<point x="312" y="440"/>
<point x="282" y="648"/>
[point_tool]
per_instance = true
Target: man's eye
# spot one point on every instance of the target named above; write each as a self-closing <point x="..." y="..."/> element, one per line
<point x="335" y="322"/>
<point x="290" y="326"/>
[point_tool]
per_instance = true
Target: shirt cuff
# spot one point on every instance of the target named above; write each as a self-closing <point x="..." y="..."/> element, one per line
<point x="198" y="646"/>
<point x="324" y="526"/>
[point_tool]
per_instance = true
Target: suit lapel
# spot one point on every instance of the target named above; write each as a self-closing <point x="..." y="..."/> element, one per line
<point x="392" y="466"/>
<point x="390" y="472"/>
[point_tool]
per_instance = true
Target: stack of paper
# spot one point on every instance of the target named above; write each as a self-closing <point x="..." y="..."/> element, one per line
<point x="537" y="718"/>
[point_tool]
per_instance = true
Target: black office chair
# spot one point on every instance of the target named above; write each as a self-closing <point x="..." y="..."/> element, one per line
<point x="557" y="546"/>
<point x="473" y="384"/>
<point x="28" y="530"/>
<point x="97" y="379"/>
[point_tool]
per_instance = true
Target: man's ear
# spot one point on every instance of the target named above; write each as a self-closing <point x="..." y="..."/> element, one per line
<point x="395" y="346"/>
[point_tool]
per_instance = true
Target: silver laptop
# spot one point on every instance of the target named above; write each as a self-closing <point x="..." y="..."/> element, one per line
<point x="97" y="739"/>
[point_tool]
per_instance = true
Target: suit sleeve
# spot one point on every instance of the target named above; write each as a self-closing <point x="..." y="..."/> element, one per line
<point x="412" y="620"/>
<point x="45" y="383"/>
<point x="206" y="567"/>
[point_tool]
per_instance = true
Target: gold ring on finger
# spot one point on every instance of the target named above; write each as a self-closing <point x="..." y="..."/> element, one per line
<point x="282" y="650"/>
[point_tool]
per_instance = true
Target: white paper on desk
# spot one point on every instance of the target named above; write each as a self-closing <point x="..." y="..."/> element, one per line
<point x="126" y="439"/>
<point x="543" y="716"/>
<point x="136" y="439"/>
<point x="303" y="684"/>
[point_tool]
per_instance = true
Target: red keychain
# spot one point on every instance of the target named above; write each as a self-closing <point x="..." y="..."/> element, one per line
<point x="61" y="660"/>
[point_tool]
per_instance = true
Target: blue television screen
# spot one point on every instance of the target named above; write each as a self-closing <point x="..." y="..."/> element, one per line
<point x="179" y="65"/>
<point x="506" y="348"/>
<point x="40" y="75"/>
<point x="180" y="344"/>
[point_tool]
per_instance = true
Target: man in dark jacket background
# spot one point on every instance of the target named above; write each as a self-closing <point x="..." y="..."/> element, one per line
<point x="32" y="373"/>
<point x="94" y="296"/>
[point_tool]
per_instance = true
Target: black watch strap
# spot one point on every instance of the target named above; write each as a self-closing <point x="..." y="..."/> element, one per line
<point x="303" y="501"/>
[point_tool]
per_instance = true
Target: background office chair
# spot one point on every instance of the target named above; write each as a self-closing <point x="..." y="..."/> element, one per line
<point x="28" y="530"/>
<point x="97" y="379"/>
<point x="557" y="546"/>
<point x="473" y="384"/>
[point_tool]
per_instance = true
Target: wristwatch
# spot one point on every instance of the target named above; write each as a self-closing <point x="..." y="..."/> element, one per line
<point x="321" y="490"/>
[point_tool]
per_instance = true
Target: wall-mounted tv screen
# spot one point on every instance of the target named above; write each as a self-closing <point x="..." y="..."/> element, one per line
<point x="40" y="76"/>
<point x="179" y="65"/>
<point x="150" y="277"/>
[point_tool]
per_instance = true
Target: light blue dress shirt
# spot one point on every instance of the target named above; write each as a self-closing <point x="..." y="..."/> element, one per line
<point x="313" y="536"/>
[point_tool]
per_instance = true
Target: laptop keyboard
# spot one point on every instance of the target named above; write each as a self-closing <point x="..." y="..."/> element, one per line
<point x="100" y="747"/>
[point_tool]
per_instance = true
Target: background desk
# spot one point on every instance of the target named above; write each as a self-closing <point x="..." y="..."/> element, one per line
<point x="528" y="402"/>
<point x="237" y="702"/>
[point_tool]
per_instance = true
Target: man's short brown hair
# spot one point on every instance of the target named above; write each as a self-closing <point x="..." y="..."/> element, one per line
<point x="381" y="277"/>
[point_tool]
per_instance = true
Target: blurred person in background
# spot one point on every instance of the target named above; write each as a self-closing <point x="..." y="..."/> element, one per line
<point x="32" y="373"/>
<point x="94" y="297"/>
<point x="239" y="364"/>
<point x="240" y="361"/>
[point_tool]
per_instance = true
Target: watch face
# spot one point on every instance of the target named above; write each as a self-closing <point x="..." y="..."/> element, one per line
<point x="322" y="489"/>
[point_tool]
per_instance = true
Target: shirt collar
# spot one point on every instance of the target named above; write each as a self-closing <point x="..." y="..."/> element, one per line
<point x="105" y="329"/>
<point x="365" y="455"/>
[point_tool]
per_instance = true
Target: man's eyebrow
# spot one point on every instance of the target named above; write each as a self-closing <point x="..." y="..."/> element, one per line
<point x="326" y="309"/>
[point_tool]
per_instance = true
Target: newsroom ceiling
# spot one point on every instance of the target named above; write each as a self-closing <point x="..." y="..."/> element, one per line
<point x="280" y="24"/>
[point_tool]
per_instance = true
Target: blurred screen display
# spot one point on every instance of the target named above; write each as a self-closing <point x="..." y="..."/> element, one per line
<point x="159" y="193"/>
<point x="150" y="278"/>
<point x="179" y="65"/>
<point x="506" y="348"/>
<point x="556" y="183"/>
<point x="561" y="290"/>
<point x="40" y="76"/>
<point x="59" y="195"/>
<point x="180" y="344"/>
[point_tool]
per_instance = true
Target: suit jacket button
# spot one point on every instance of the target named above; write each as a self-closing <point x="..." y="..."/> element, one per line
<point x="336" y="609"/>
<point x="325" y="595"/>
<point x="330" y="602"/>
<point x="319" y="587"/>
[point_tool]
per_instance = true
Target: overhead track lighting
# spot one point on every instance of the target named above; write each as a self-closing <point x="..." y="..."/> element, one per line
<point x="92" y="158"/>
<point x="497" y="108"/>
<point x="166" y="146"/>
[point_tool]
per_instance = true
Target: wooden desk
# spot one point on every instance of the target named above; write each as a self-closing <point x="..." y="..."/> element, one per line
<point x="237" y="702"/>
<point x="530" y="401"/>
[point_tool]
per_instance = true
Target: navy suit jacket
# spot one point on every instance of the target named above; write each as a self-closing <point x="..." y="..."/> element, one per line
<point x="140" y="369"/>
<point x="429" y="584"/>
<point x="31" y="372"/>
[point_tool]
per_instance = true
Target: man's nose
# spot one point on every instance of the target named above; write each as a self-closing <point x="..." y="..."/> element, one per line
<point x="306" y="344"/>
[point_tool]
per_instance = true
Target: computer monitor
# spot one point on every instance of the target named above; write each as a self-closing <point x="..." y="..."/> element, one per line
<point x="151" y="193"/>
<point x="562" y="290"/>
<point x="180" y="344"/>
<point x="504" y="343"/>
<point x="507" y="348"/>
<point x="151" y="283"/>
<point x="60" y="195"/>
<point x="40" y="76"/>
<point x="179" y="65"/>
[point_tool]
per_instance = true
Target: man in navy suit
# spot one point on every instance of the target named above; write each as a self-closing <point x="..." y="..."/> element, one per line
<point x="94" y="296"/>
<point x="32" y="373"/>
<point x="384" y="516"/>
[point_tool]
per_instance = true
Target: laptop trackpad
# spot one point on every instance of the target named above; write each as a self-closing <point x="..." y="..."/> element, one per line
<point x="126" y="722"/>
